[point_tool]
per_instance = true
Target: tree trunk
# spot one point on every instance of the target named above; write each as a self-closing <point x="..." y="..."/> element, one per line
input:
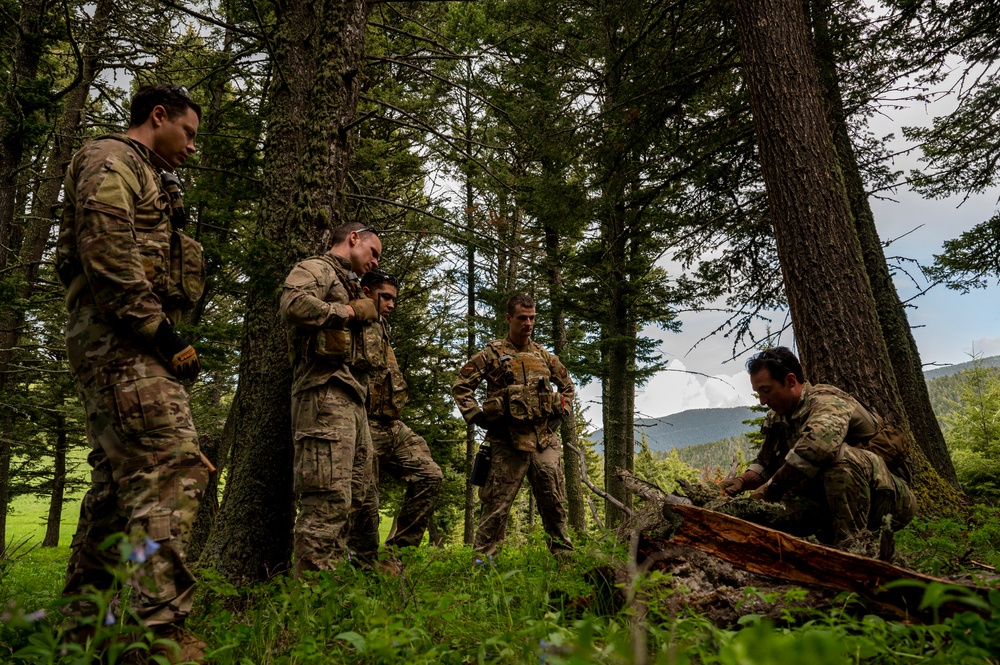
<point x="469" y="532"/>
<point x="571" y="463"/>
<point x="903" y="354"/>
<point x="54" y="520"/>
<point x="317" y="48"/>
<point x="832" y="308"/>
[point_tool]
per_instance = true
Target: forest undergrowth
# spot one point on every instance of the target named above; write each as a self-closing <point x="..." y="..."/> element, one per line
<point x="526" y="607"/>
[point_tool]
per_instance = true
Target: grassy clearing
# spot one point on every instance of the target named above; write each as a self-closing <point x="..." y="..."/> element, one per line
<point x="28" y="514"/>
<point x="523" y="608"/>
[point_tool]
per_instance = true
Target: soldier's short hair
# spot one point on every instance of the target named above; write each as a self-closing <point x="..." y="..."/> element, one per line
<point x="779" y="361"/>
<point x="519" y="300"/>
<point x="376" y="278"/>
<point x="174" y="98"/>
<point x="341" y="232"/>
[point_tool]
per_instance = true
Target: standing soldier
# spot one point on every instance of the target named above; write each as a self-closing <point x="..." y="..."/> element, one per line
<point x="335" y="342"/>
<point x="400" y="452"/>
<point x="129" y="270"/>
<point x="521" y="415"/>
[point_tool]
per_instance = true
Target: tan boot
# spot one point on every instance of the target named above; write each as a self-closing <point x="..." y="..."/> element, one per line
<point x="177" y="645"/>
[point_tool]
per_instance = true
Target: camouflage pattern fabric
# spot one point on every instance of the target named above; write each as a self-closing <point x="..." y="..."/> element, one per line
<point x="148" y="476"/>
<point x="404" y="455"/>
<point x="333" y="473"/>
<point x="315" y="298"/>
<point x="844" y="487"/>
<point x="523" y="415"/>
<point x="520" y="406"/>
<point x="814" y="435"/>
<point x="860" y="491"/>
<point x="544" y="471"/>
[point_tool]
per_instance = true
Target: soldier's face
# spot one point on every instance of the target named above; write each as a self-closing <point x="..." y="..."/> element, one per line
<point x="782" y="397"/>
<point x="364" y="252"/>
<point x="173" y="138"/>
<point x="384" y="296"/>
<point x="522" y="323"/>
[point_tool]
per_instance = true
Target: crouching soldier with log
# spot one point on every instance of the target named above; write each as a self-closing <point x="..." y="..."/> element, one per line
<point x="818" y="457"/>
<point x="521" y="415"/>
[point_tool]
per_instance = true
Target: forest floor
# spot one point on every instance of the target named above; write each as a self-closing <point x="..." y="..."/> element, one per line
<point x="527" y="607"/>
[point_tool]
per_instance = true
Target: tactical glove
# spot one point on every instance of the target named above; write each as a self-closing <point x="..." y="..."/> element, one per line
<point x="787" y="476"/>
<point x="178" y="354"/>
<point x="749" y="480"/>
<point x="364" y="309"/>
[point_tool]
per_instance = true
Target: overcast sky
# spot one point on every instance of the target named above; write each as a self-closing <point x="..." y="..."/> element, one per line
<point x="948" y="326"/>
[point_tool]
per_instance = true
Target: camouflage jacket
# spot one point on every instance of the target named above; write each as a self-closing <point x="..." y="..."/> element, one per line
<point x="520" y="408"/>
<point x="314" y="301"/>
<point x="388" y="385"/>
<point x="114" y="241"/>
<point x="814" y="436"/>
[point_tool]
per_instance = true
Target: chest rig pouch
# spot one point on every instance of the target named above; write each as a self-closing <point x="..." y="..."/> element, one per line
<point x="186" y="270"/>
<point x="388" y="393"/>
<point x="359" y="345"/>
<point x="528" y="396"/>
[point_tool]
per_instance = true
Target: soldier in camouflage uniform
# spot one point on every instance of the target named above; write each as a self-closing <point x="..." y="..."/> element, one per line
<point x="129" y="270"/>
<point x="335" y="341"/>
<point x="528" y="393"/>
<point x="814" y="437"/>
<point x="400" y="452"/>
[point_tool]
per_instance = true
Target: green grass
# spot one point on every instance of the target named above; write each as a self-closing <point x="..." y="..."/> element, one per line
<point x="525" y="607"/>
<point x="28" y="514"/>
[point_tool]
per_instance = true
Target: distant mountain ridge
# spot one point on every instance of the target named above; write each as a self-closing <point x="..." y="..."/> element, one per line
<point x="938" y="372"/>
<point x="691" y="427"/>
<point x="697" y="426"/>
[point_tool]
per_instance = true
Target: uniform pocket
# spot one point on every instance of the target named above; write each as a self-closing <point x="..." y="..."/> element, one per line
<point x="320" y="465"/>
<point x="187" y="270"/>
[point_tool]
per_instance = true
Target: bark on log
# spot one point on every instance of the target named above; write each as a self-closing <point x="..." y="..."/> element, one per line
<point x="770" y="552"/>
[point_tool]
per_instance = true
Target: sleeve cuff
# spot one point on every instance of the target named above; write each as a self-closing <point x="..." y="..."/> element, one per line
<point x="471" y="414"/>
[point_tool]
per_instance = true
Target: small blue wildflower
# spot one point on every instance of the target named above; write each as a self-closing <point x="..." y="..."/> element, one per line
<point x="109" y="618"/>
<point x="37" y="615"/>
<point x="140" y="553"/>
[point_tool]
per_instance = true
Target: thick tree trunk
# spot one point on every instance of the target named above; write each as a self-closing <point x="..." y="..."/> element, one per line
<point x="318" y="47"/>
<point x="23" y="67"/>
<point x="903" y="353"/>
<point x="618" y="403"/>
<point x="54" y="519"/>
<point x="833" y="311"/>
<point x="469" y="531"/>
<point x="575" y="508"/>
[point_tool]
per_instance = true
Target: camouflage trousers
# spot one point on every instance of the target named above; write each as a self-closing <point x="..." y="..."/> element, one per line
<point x="851" y="496"/>
<point x="404" y="455"/>
<point x="333" y="474"/>
<point x="147" y="477"/>
<point x="507" y="472"/>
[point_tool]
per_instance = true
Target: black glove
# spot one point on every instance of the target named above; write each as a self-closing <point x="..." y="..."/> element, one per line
<point x="178" y="354"/>
<point x="786" y="477"/>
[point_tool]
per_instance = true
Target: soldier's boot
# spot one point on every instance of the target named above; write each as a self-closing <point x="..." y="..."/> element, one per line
<point x="177" y="645"/>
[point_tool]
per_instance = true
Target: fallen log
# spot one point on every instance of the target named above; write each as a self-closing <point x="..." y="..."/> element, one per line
<point x="769" y="552"/>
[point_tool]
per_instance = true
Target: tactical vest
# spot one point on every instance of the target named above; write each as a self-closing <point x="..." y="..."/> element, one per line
<point x="387" y="389"/>
<point x="172" y="261"/>
<point x="526" y="394"/>
<point x="357" y="345"/>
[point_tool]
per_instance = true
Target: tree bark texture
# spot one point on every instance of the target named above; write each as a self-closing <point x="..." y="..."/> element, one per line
<point x="54" y="519"/>
<point x="769" y="552"/>
<point x="469" y="525"/>
<point x="318" y="47"/>
<point x="903" y="354"/>
<point x="832" y="307"/>
<point x="575" y="509"/>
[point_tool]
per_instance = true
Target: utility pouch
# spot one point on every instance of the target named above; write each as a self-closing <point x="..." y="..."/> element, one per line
<point x="481" y="466"/>
<point x="187" y="270"/>
<point x="333" y="345"/>
<point x="522" y="403"/>
<point x="368" y="347"/>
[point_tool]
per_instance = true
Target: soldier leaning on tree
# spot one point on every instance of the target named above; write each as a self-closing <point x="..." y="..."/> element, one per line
<point x="335" y="341"/>
<point x="817" y="455"/>
<point x="399" y="451"/>
<point x="521" y="415"/>
<point x="129" y="270"/>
